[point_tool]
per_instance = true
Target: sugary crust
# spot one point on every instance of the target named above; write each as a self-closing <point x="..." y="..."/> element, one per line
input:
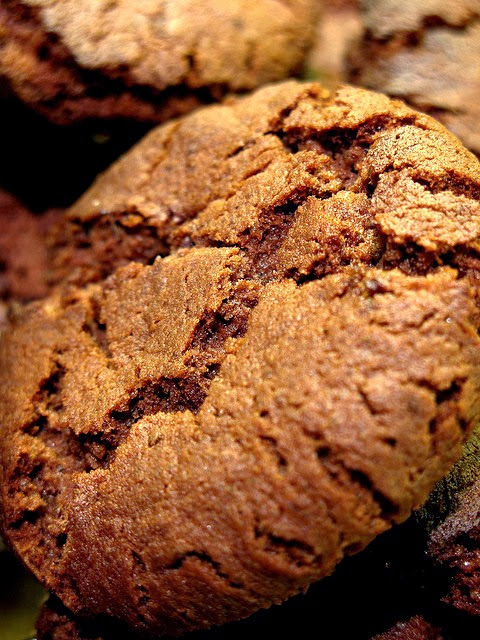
<point x="72" y="59"/>
<point x="426" y="53"/>
<point x="202" y="436"/>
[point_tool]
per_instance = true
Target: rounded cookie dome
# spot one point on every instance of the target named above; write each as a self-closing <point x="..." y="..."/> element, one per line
<point x="263" y="351"/>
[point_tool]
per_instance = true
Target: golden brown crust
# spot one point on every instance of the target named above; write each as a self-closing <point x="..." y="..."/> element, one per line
<point x="302" y="139"/>
<point x="72" y="59"/>
<point x="219" y="428"/>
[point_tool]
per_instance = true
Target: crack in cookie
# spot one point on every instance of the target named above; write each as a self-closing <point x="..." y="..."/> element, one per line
<point x="207" y="431"/>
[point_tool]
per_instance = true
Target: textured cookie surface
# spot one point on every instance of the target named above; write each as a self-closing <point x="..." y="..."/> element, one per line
<point x="73" y="59"/>
<point x="426" y="53"/>
<point x="294" y="365"/>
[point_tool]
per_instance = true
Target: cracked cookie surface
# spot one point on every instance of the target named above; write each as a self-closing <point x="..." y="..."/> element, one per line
<point x="262" y="351"/>
<point x="427" y="54"/>
<point x="152" y="60"/>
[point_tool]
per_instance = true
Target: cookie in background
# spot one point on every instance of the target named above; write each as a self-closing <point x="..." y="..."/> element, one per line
<point x="426" y="53"/>
<point x="339" y="28"/>
<point x="150" y="61"/>
<point x="452" y="518"/>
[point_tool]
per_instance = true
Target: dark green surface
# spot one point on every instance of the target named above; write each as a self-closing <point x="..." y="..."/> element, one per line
<point x="446" y="495"/>
<point x="20" y="600"/>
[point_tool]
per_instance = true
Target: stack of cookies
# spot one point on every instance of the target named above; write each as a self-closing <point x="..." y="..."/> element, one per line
<point x="241" y="332"/>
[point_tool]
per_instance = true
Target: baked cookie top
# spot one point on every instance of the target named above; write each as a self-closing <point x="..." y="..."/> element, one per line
<point x="73" y="59"/>
<point x="293" y="367"/>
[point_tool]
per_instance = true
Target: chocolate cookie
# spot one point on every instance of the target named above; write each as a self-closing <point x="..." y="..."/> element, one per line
<point x="56" y="623"/>
<point x="453" y="516"/>
<point x="339" y="28"/>
<point x="23" y="250"/>
<point x="74" y="59"/>
<point x="414" y="629"/>
<point x="426" y="53"/>
<point x="295" y="365"/>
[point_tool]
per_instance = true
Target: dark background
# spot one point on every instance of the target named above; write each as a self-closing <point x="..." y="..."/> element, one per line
<point x="45" y="165"/>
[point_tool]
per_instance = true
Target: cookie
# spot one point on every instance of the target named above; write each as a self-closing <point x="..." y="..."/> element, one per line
<point x="452" y="516"/>
<point x="72" y="59"/>
<point x="56" y="623"/>
<point x="388" y="591"/>
<point x="293" y="367"/>
<point x="414" y="629"/>
<point x="339" y="28"/>
<point x="426" y="53"/>
<point x="373" y="589"/>
<point x="23" y="250"/>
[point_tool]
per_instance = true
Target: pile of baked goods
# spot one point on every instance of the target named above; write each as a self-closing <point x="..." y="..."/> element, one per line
<point x="235" y="365"/>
